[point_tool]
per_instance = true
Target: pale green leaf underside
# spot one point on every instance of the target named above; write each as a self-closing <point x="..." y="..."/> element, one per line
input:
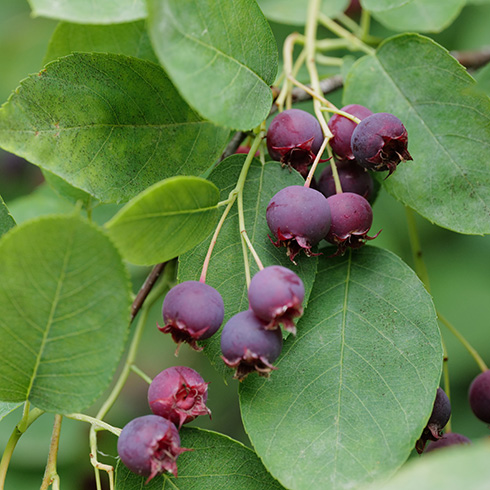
<point x="355" y="388"/>
<point x="65" y="300"/>
<point x="226" y="270"/>
<point x="221" y="55"/>
<point x="90" y="11"/>
<point x="108" y="124"/>
<point x="6" y="220"/>
<point x="166" y="220"/>
<point x="380" y="5"/>
<point x="6" y="408"/>
<point x="448" y="123"/>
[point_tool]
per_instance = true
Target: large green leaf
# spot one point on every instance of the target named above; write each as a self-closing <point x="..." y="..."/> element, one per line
<point x="215" y="462"/>
<point x="380" y="5"/>
<point x="221" y="55"/>
<point x="6" y="408"/>
<point x="353" y="391"/>
<point x="166" y="220"/>
<point x="226" y="270"/>
<point x="448" y="124"/>
<point x="64" y="298"/>
<point x="6" y="220"/>
<point x="108" y="124"/>
<point x="89" y="12"/>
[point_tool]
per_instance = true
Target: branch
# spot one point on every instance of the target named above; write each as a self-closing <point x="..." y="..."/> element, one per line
<point x="146" y="288"/>
<point x="472" y="59"/>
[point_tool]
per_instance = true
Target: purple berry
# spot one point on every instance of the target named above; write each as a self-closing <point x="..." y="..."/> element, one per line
<point x="299" y="217"/>
<point x="343" y="127"/>
<point x="448" y="439"/>
<point x="353" y="178"/>
<point x="479" y="396"/>
<point x="192" y="311"/>
<point x="352" y="217"/>
<point x="179" y="394"/>
<point x="247" y="345"/>
<point x="294" y="138"/>
<point x="149" y="446"/>
<point x="275" y="296"/>
<point x="379" y="142"/>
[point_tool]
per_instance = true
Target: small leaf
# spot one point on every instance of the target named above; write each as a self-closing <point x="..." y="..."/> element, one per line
<point x="6" y="220"/>
<point x="353" y="391"/>
<point x="64" y="189"/>
<point x="216" y="461"/>
<point x="166" y="220"/>
<point x="221" y="55"/>
<point x="6" y="408"/>
<point x="65" y="298"/>
<point x="108" y="124"/>
<point x="448" y="123"/>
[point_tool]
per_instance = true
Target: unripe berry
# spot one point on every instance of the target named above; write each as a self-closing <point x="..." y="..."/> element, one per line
<point x="479" y="396"/>
<point x="449" y="439"/>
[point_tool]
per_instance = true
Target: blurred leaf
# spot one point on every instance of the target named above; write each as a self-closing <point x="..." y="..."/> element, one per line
<point x="166" y="220"/>
<point x="65" y="298"/>
<point x="216" y="461"/>
<point x="355" y="388"/>
<point x="64" y="189"/>
<point x="6" y="408"/>
<point x="477" y="2"/>
<point x="83" y="12"/>
<point x="130" y="39"/>
<point x="226" y="270"/>
<point x="221" y="55"/>
<point x="108" y="124"/>
<point x="482" y="77"/>
<point x="6" y="219"/>
<point x="379" y="5"/>
<point x="448" y="181"/>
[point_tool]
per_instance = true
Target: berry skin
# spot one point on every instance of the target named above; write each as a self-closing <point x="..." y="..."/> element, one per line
<point x="179" y="394"/>
<point x="275" y="295"/>
<point x="353" y="178"/>
<point x="449" y="439"/>
<point x="247" y="345"/>
<point x="479" y="396"/>
<point x="299" y="217"/>
<point x="379" y="142"/>
<point x="192" y="311"/>
<point x="343" y="127"/>
<point x="352" y="217"/>
<point x="149" y="446"/>
<point x="294" y="138"/>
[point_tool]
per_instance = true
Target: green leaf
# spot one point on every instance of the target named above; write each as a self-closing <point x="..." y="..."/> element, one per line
<point x="226" y="271"/>
<point x="6" y="408"/>
<point x="294" y="11"/>
<point x="64" y="189"/>
<point x="6" y="220"/>
<point x="354" y="390"/>
<point x="108" y="124"/>
<point x="65" y="300"/>
<point x="166" y="220"/>
<point x="380" y="5"/>
<point x="216" y="461"/>
<point x="83" y="12"/>
<point x="482" y="77"/>
<point x="221" y="55"/>
<point x="448" y="181"/>
<point x="130" y="39"/>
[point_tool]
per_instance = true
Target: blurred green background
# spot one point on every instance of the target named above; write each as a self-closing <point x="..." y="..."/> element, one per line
<point x="458" y="265"/>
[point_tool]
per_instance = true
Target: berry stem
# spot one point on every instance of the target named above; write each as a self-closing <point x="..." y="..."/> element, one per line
<point x="342" y="113"/>
<point x="445" y="373"/>
<point x="96" y="423"/>
<point x="51" y="476"/>
<point x="329" y="60"/>
<point x="350" y="24"/>
<point x="332" y="44"/>
<point x="365" y="25"/>
<point x="140" y="373"/>
<point x="252" y="249"/>
<point x="315" y="163"/>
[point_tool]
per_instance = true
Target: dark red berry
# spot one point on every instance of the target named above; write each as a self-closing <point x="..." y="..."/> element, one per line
<point x="179" y="394"/>
<point x="479" y="396"/>
<point x="448" y="439"/>
<point x="192" y="311"/>
<point x="353" y="178"/>
<point x="299" y="217"/>
<point x="294" y="138"/>
<point x="247" y="345"/>
<point x="276" y="295"/>
<point x="342" y="129"/>
<point x="379" y="142"/>
<point x="149" y="446"/>
<point x="352" y="217"/>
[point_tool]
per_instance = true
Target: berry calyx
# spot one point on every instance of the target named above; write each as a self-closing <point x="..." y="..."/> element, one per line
<point x="179" y="394"/>
<point x="192" y="311"/>
<point x="248" y="346"/>
<point x="379" y="142"/>
<point x="299" y="217"/>
<point x="276" y="295"/>
<point x="479" y="396"/>
<point x="149" y="446"/>
<point x="448" y="439"/>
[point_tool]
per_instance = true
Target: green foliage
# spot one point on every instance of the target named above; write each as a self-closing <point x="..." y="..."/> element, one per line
<point x="6" y="220"/>
<point x="380" y="5"/>
<point x="6" y="408"/>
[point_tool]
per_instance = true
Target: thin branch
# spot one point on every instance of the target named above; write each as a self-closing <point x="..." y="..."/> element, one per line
<point x="472" y="59"/>
<point x="51" y="474"/>
<point x="146" y="288"/>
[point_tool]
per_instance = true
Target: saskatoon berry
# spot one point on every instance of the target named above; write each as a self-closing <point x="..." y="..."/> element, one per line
<point x="379" y="142"/>
<point x="449" y="439"/>
<point x="299" y="217"/>
<point x="343" y="127"/>
<point x="192" y="311"/>
<point x="149" y="446"/>
<point x="479" y="396"/>
<point x="352" y="217"/>
<point x="275" y="295"/>
<point x="294" y="138"/>
<point x="179" y="394"/>
<point x="248" y="346"/>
